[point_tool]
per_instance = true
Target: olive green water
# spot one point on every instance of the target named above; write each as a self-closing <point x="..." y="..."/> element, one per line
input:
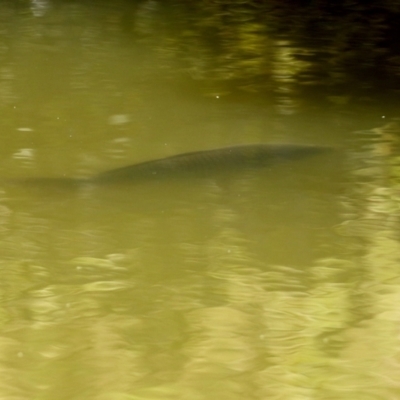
<point x="280" y="283"/>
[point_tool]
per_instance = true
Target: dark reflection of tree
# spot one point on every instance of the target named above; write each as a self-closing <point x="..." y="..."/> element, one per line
<point x="369" y="280"/>
<point x="233" y="42"/>
<point x="266" y="48"/>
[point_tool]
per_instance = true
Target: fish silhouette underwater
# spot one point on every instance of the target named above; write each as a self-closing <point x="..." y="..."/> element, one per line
<point x="198" y="163"/>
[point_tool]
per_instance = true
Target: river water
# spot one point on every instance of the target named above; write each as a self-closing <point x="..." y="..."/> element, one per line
<point x="272" y="283"/>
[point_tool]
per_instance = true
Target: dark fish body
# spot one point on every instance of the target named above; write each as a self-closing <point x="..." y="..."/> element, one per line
<point x="209" y="161"/>
<point x="206" y="163"/>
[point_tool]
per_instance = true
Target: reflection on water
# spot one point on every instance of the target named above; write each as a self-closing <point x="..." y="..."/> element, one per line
<point x="191" y="288"/>
<point x="179" y="281"/>
<point x="274" y="283"/>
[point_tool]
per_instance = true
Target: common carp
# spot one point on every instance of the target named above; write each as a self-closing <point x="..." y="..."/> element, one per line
<point x="210" y="161"/>
<point x="197" y="163"/>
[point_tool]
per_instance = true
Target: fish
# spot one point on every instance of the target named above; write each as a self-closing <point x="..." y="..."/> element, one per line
<point x="205" y="162"/>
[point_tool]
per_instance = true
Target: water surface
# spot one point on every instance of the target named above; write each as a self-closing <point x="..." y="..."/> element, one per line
<point x="246" y="284"/>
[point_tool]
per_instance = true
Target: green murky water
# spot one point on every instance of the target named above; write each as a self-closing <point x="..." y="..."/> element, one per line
<point x="273" y="283"/>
